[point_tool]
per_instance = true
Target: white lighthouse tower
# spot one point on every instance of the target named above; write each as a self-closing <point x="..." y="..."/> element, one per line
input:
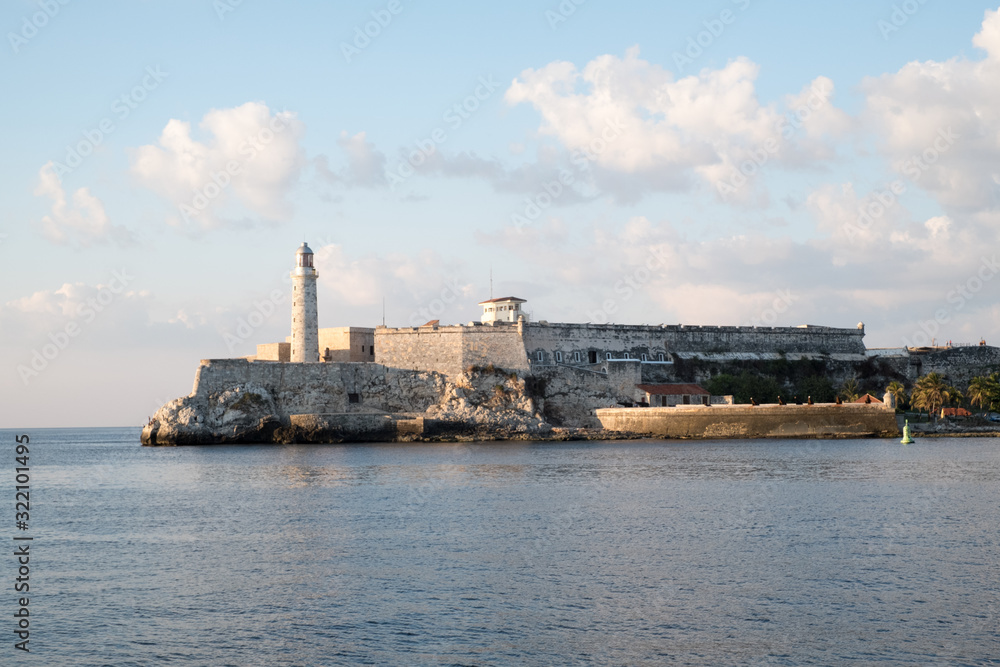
<point x="305" y="324"/>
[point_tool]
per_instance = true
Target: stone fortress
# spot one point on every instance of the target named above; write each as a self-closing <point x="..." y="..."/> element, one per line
<point x="501" y="376"/>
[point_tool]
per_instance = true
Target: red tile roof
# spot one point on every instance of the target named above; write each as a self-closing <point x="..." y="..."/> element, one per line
<point x="864" y="399"/>
<point x="955" y="412"/>
<point x="504" y="298"/>
<point x="673" y="389"/>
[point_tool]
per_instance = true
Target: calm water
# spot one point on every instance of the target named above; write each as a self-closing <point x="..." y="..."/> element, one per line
<point x="614" y="553"/>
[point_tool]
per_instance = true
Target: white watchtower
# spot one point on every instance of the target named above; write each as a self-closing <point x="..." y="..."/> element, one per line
<point x="305" y="323"/>
<point x="504" y="309"/>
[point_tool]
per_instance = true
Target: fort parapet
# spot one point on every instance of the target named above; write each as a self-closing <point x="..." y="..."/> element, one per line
<point x="525" y="346"/>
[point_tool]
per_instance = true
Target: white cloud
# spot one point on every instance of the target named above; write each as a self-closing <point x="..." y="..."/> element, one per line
<point x="632" y="117"/>
<point x="252" y="160"/>
<point x="83" y="220"/>
<point x="938" y="123"/>
<point x="417" y="288"/>
<point x="365" y="163"/>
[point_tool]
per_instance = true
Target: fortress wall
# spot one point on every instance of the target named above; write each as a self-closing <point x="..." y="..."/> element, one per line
<point x="571" y="394"/>
<point x="305" y="388"/>
<point x="832" y="340"/>
<point x="617" y="339"/>
<point x="958" y="365"/>
<point x="585" y="338"/>
<point x="500" y="345"/>
<point x="421" y="348"/>
<point x="450" y="349"/>
<point x="765" y="421"/>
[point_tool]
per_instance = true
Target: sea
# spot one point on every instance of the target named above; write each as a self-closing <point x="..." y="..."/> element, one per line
<point x="722" y="552"/>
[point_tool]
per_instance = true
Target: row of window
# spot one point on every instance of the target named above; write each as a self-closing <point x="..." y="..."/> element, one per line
<point x="592" y="357"/>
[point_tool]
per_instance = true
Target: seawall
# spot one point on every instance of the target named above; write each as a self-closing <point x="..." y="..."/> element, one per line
<point x="827" y="420"/>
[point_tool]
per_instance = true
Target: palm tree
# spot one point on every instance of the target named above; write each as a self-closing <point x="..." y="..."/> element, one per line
<point x="898" y="393"/>
<point x="849" y="390"/>
<point x="985" y="391"/>
<point x="930" y="393"/>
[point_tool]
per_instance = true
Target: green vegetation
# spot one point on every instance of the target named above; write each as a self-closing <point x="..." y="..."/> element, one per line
<point x="818" y="387"/>
<point x="745" y="386"/>
<point x="898" y="392"/>
<point x="984" y="392"/>
<point x="931" y="393"/>
<point x="849" y="391"/>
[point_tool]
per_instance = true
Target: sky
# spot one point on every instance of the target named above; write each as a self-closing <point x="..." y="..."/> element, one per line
<point x="733" y="162"/>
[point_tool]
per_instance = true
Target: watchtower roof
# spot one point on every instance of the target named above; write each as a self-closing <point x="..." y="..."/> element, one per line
<point x="304" y="249"/>
<point x="512" y="299"/>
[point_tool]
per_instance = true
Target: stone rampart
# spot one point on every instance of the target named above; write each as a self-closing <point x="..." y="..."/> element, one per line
<point x="323" y="387"/>
<point x="764" y="421"/>
<point x="450" y="349"/>
<point x="958" y="365"/>
<point x="582" y="344"/>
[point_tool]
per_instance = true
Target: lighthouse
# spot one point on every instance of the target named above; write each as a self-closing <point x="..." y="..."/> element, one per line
<point x="305" y="324"/>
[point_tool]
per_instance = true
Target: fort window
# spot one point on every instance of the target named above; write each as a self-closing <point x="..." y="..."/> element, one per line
<point x="540" y="356"/>
<point x="660" y="357"/>
<point x="356" y="398"/>
<point x="592" y="355"/>
<point x="558" y="357"/>
<point x="576" y="357"/>
<point x="644" y="357"/>
<point x="625" y="355"/>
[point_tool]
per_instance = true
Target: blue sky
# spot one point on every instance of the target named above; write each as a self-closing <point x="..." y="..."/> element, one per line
<point x="786" y="247"/>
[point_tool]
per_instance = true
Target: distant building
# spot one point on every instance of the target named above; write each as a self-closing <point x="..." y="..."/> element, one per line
<point x="668" y="395"/>
<point x="504" y="309"/>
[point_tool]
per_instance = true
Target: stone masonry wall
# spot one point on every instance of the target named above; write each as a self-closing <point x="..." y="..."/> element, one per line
<point x="450" y="349"/>
<point x="324" y="387"/>
<point x="652" y="341"/>
<point x="765" y="421"/>
<point x="958" y="365"/>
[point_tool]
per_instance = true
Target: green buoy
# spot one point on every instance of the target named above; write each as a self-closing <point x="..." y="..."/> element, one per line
<point x="906" y="434"/>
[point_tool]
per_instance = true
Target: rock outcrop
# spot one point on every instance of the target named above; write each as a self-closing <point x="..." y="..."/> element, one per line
<point x="236" y="401"/>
